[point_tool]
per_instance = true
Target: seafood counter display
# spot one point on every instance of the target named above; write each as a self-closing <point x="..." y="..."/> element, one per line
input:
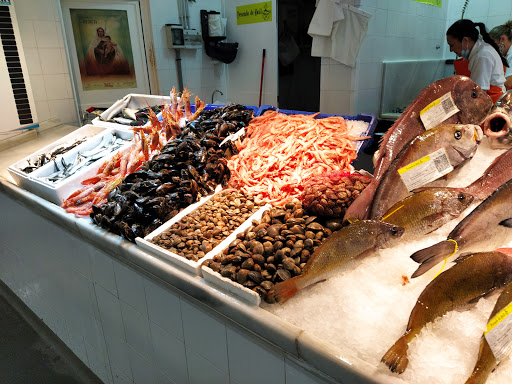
<point x="266" y="206"/>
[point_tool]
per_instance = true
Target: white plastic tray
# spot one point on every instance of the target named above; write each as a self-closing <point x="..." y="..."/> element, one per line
<point x="132" y="100"/>
<point x="224" y="284"/>
<point x="22" y="179"/>
<point x="190" y="266"/>
<point x="59" y="191"/>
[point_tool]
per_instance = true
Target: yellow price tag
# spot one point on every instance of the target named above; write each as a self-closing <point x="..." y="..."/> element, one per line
<point x="414" y="164"/>
<point x="498" y="318"/>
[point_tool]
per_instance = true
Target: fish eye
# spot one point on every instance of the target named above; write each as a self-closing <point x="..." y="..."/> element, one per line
<point x="461" y="197"/>
<point x="394" y="231"/>
<point x="457" y="135"/>
<point x="473" y="94"/>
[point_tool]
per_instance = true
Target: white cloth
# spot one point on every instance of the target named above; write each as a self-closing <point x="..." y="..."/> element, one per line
<point x="338" y="30"/>
<point x="508" y="72"/>
<point x="486" y="66"/>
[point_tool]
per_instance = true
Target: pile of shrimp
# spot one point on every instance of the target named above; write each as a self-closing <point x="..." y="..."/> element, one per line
<point x="147" y="141"/>
<point x="281" y="151"/>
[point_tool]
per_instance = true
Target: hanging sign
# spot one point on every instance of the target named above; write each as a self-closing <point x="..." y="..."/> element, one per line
<point x="435" y="3"/>
<point x="254" y="13"/>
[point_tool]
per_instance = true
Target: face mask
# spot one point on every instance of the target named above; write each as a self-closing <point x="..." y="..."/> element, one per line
<point x="465" y="53"/>
<point x="501" y="47"/>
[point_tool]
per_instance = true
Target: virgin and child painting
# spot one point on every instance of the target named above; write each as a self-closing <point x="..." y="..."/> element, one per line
<point x="104" y="49"/>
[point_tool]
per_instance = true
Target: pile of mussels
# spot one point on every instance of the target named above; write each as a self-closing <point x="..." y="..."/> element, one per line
<point x="186" y="169"/>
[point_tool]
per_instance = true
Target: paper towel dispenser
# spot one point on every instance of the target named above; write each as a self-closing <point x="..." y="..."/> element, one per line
<point x="211" y="31"/>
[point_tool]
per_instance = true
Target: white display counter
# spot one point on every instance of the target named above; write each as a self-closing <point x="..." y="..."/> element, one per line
<point x="132" y="317"/>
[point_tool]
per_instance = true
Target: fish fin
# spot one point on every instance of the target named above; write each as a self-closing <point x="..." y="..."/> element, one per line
<point x="507" y="223"/>
<point x="463" y="257"/>
<point x="396" y="357"/>
<point x="432" y="255"/>
<point x="506" y="251"/>
<point x="284" y="290"/>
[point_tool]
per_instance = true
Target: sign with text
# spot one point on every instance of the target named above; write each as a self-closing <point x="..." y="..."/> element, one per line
<point x="435" y="3"/>
<point x="254" y="13"/>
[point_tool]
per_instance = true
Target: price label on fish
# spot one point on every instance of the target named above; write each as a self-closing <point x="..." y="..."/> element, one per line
<point x="426" y="169"/>
<point x="438" y="111"/>
<point x="499" y="333"/>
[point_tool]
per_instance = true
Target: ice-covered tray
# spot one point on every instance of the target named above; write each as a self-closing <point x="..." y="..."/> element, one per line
<point x="367" y="129"/>
<point x="193" y="267"/>
<point x="132" y="100"/>
<point x="16" y="170"/>
<point x="58" y="191"/>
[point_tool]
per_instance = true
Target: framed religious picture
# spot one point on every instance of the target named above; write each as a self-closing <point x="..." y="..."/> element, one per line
<point x="103" y="48"/>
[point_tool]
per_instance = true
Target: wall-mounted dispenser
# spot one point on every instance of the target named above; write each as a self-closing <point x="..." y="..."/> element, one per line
<point x="212" y="32"/>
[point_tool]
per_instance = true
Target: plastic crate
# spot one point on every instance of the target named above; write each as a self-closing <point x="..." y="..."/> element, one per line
<point x="371" y="119"/>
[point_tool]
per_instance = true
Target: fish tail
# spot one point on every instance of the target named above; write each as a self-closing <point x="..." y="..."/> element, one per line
<point x="396" y="357"/>
<point x="285" y="290"/>
<point x="432" y="255"/>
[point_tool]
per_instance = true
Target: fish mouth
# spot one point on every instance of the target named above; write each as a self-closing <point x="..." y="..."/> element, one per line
<point x="497" y="124"/>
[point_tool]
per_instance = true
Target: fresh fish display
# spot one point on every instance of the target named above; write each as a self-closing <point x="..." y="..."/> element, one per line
<point x="495" y="175"/>
<point x="486" y="228"/>
<point x="473" y="276"/>
<point x="45" y="158"/>
<point x="338" y="252"/>
<point x="425" y="211"/>
<point x="473" y="103"/>
<point x="460" y="143"/>
<point x="109" y="144"/>
<point x="498" y="125"/>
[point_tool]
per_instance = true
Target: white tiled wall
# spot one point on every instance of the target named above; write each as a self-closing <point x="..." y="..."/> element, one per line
<point x="200" y="73"/>
<point x="125" y="326"/>
<point x="41" y="36"/>
<point x="398" y="30"/>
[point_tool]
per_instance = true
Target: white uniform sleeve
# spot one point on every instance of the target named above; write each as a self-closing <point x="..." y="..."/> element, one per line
<point x="481" y="70"/>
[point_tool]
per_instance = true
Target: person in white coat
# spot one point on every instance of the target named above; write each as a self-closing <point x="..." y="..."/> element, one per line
<point x="481" y="60"/>
<point x="502" y="36"/>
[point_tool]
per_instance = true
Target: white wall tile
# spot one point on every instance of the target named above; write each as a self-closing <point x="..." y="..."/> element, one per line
<point x="35" y="10"/>
<point x="110" y="312"/>
<point x="102" y="269"/>
<point x="119" y="377"/>
<point x="130" y="286"/>
<point x="38" y="87"/>
<point x="205" y="334"/>
<point x="119" y="356"/>
<point x="28" y="37"/>
<point x="43" y="110"/>
<point x="98" y="364"/>
<point x="64" y="109"/>
<point x="142" y="367"/>
<point x="47" y="35"/>
<point x="136" y="328"/>
<point x="51" y="61"/>
<point x="243" y="351"/>
<point x="164" y="308"/>
<point x="169" y="355"/>
<point x="56" y="86"/>
<point x="204" y="372"/>
<point x="33" y="62"/>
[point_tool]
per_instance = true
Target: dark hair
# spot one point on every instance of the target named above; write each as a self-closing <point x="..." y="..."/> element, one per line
<point x="108" y="37"/>
<point x="466" y="28"/>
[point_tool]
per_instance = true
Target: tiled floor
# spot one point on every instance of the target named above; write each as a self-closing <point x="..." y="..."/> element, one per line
<point x="30" y="352"/>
